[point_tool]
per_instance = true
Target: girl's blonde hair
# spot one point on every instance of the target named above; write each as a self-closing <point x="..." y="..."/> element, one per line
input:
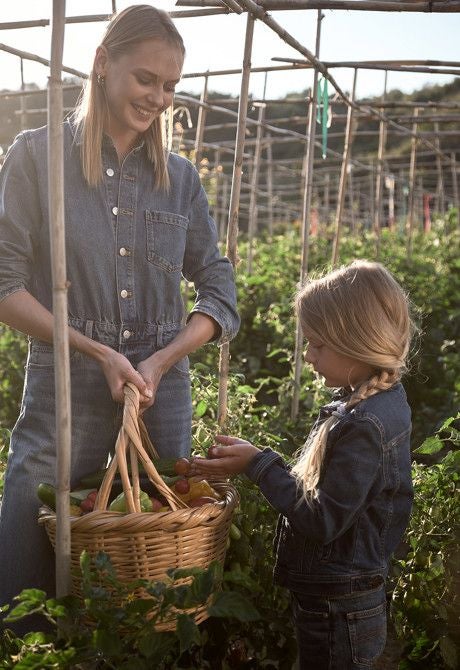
<point x="359" y="311"/>
<point x="124" y="32"/>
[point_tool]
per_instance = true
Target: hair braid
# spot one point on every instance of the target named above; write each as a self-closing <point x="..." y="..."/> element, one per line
<point x="379" y="382"/>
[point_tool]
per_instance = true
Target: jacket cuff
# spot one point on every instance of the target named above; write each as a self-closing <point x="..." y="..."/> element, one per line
<point x="260" y="463"/>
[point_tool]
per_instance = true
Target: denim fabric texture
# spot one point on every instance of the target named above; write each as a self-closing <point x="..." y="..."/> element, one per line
<point x="337" y="547"/>
<point x="127" y="247"/>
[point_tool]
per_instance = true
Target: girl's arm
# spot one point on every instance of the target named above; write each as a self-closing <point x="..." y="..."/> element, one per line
<point x="343" y="491"/>
<point x="21" y="311"/>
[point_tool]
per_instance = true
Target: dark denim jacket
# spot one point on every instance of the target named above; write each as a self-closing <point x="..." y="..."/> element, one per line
<point x="350" y="530"/>
<point x="127" y="243"/>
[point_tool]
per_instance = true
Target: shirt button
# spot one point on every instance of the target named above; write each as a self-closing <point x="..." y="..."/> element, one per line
<point x="109" y="172"/>
<point x="115" y="210"/>
<point x="123" y="251"/>
<point x="126" y="334"/>
<point x="124" y="293"/>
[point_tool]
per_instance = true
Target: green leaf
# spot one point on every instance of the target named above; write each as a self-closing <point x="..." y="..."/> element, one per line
<point x="155" y="645"/>
<point x="231" y="604"/>
<point x="187" y="632"/>
<point x="201" y="408"/>
<point x="106" y="642"/>
<point x="430" y="446"/>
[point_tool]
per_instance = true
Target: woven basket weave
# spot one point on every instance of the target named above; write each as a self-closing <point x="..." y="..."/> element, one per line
<point x="144" y="545"/>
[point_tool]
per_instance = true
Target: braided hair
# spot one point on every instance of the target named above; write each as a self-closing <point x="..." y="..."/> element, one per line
<point x="359" y="311"/>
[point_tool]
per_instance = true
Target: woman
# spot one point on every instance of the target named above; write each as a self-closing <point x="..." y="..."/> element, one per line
<point x="136" y="220"/>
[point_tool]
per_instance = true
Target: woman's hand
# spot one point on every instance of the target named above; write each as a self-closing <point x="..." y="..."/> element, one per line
<point x="152" y="369"/>
<point x="118" y="371"/>
<point x="231" y="459"/>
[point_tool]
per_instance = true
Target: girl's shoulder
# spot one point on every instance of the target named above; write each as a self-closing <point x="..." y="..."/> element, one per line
<point x="389" y="410"/>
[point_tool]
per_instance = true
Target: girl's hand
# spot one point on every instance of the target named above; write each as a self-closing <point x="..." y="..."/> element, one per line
<point x="231" y="459"/>
<point x="118" y="371"/>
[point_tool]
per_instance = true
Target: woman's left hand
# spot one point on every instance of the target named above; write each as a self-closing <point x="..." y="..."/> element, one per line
<point x="151" y="369"/>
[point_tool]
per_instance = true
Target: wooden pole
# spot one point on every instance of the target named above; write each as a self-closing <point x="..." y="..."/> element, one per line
<point x="59" y="276"/>
<point x="270" y="185"/>
<point x="379" y="176"/>
<point x="327" y="184"/>
<point x="23" y="100"/>
<point x="232" y="230"/>
<point x="252" y="224"/>
<point x="351" y="198"/>
<point x="411" y="203"/>
<point x="358" y="5"/>
<point x="456" y="202"/>
<point x="440" y="204"/>
<point x="201" y="123"/>
<point x="305" y="225"/>
<point x="343" y="176"/>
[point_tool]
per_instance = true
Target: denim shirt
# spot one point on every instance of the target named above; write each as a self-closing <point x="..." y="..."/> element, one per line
<point x="364" y="497"/>
<point x="127" y="243"/>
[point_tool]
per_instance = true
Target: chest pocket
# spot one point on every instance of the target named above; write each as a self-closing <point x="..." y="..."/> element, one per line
<point x="166" y="236"/>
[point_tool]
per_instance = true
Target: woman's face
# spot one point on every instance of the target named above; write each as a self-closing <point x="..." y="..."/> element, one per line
<point x="139" y="86"/>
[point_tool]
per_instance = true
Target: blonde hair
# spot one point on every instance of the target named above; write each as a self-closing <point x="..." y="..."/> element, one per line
<point x="124" y="32"/>
<point x="359" y="311"/>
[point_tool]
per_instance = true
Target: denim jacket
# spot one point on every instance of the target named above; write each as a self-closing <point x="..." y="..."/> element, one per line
<point x="364" y="497"/>
<point x="127" y="243"/>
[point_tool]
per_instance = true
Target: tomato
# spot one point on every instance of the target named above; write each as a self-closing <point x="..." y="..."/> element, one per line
<point x="182" y="486"/>
<point x="199" y="502"/>
<point x="182" y="466"/>
<point x="156" y="504"/>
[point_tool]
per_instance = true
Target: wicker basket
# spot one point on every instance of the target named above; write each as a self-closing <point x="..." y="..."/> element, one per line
<point x="143" y="545"/>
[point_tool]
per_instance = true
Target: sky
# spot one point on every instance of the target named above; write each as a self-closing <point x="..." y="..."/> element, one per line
<point x="216" y="42"/>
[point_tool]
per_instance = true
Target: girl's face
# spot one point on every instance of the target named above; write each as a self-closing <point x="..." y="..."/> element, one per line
<point x="139" y="86"/>
<point x="338" y="370"/>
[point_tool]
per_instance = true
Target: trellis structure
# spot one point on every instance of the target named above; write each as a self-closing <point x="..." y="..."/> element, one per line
<point x="309" y="180"/>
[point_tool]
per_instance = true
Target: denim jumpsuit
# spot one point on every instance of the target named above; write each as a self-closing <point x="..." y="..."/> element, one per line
<point x="127" y="247"/>
<point x="333" y="553"/>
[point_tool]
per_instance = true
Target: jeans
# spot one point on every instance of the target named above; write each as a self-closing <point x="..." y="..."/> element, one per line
<point x="26" y="555"/>
<point x="340" y="633"/>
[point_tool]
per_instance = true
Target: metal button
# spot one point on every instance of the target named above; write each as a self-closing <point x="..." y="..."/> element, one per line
<point x="115" y="210"/>
<point x="126" y="334"/>
<point x="124" y="293"/>
<point x="123" y="251"/>
<point x="109" y="172"/>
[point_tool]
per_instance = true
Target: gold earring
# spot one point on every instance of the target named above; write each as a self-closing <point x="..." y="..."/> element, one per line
<point x="100" y="80"/>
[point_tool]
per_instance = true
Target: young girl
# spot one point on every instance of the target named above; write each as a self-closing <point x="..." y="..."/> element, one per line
<point x="136" y="221"/>
<point x="346" y="502"/>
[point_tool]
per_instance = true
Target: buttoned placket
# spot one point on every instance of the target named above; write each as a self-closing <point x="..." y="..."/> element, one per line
<point x="122" y="203"/>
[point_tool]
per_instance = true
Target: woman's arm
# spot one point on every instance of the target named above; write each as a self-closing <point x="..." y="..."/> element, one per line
<point x="199" y="330"/>
<point x="21" y="311"/>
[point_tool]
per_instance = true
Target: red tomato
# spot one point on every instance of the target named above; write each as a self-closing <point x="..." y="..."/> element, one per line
<point x="182" y="466"/>
<point x="182" y="486"/>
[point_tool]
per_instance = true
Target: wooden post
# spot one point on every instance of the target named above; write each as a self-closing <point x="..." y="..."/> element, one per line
<point x="305" y="225"/>
<point x="440" y="204"/>
<point x="456" y="202"/>
<point x="201" y="123"/>
<point x="223" y="210"/>
<point x="411" y="204"/>
<point x="59" y="278"/>
<point x="232" y="230"/>
<point x="351" y="199"/>
<point x="326" y="196"/>
<point x="371" y="195"/>
<point x="252" y="223"/>
<point x="24" y="122"/>
<point x="343" y="176"/>
<point x="218" y="178"/>
<point x="390" y="184"/>
<point x="379" y="176"/>
<point x="270" y="184"/>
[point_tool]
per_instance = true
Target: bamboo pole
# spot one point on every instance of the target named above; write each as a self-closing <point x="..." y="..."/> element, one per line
<point x="201" y="123"/>
<point x="23" y="110"/>
<point x="353" y="5"/>
<point x="270" y="185"/>
<point x="455" y="185"/>
<point x="305" y="225"/>
<point x="343" y="175"/>
<point x="232" y="230"/>
<point x="411" y="203"/>
<point x="440" y="204"/>
<point x="252" y="224"/>
<point x="379" y="176"/>
<point x="59" y="277"/>
<point x="393" y="66"/>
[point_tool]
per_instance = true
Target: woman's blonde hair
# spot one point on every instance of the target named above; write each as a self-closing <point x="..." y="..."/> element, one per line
<point x="359" y="311"/>
<point x="125" y="31"/>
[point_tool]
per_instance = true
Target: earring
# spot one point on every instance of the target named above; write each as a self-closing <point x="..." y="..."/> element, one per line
<point x="100" y="80"/>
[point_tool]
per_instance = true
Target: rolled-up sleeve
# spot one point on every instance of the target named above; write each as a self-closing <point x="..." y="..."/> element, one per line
<point x="19" y="217"/>
<point x="211" y="273"/>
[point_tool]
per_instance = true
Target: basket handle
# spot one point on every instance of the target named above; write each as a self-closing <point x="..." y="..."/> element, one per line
<point x="132" y="437"/>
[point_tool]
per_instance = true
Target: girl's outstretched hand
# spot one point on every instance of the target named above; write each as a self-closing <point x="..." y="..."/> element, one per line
<point x="229" y="456"/>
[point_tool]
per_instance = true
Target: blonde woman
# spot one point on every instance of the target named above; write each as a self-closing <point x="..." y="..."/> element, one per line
<point x="136" y="221"/>
<point x="345" y="504"/>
